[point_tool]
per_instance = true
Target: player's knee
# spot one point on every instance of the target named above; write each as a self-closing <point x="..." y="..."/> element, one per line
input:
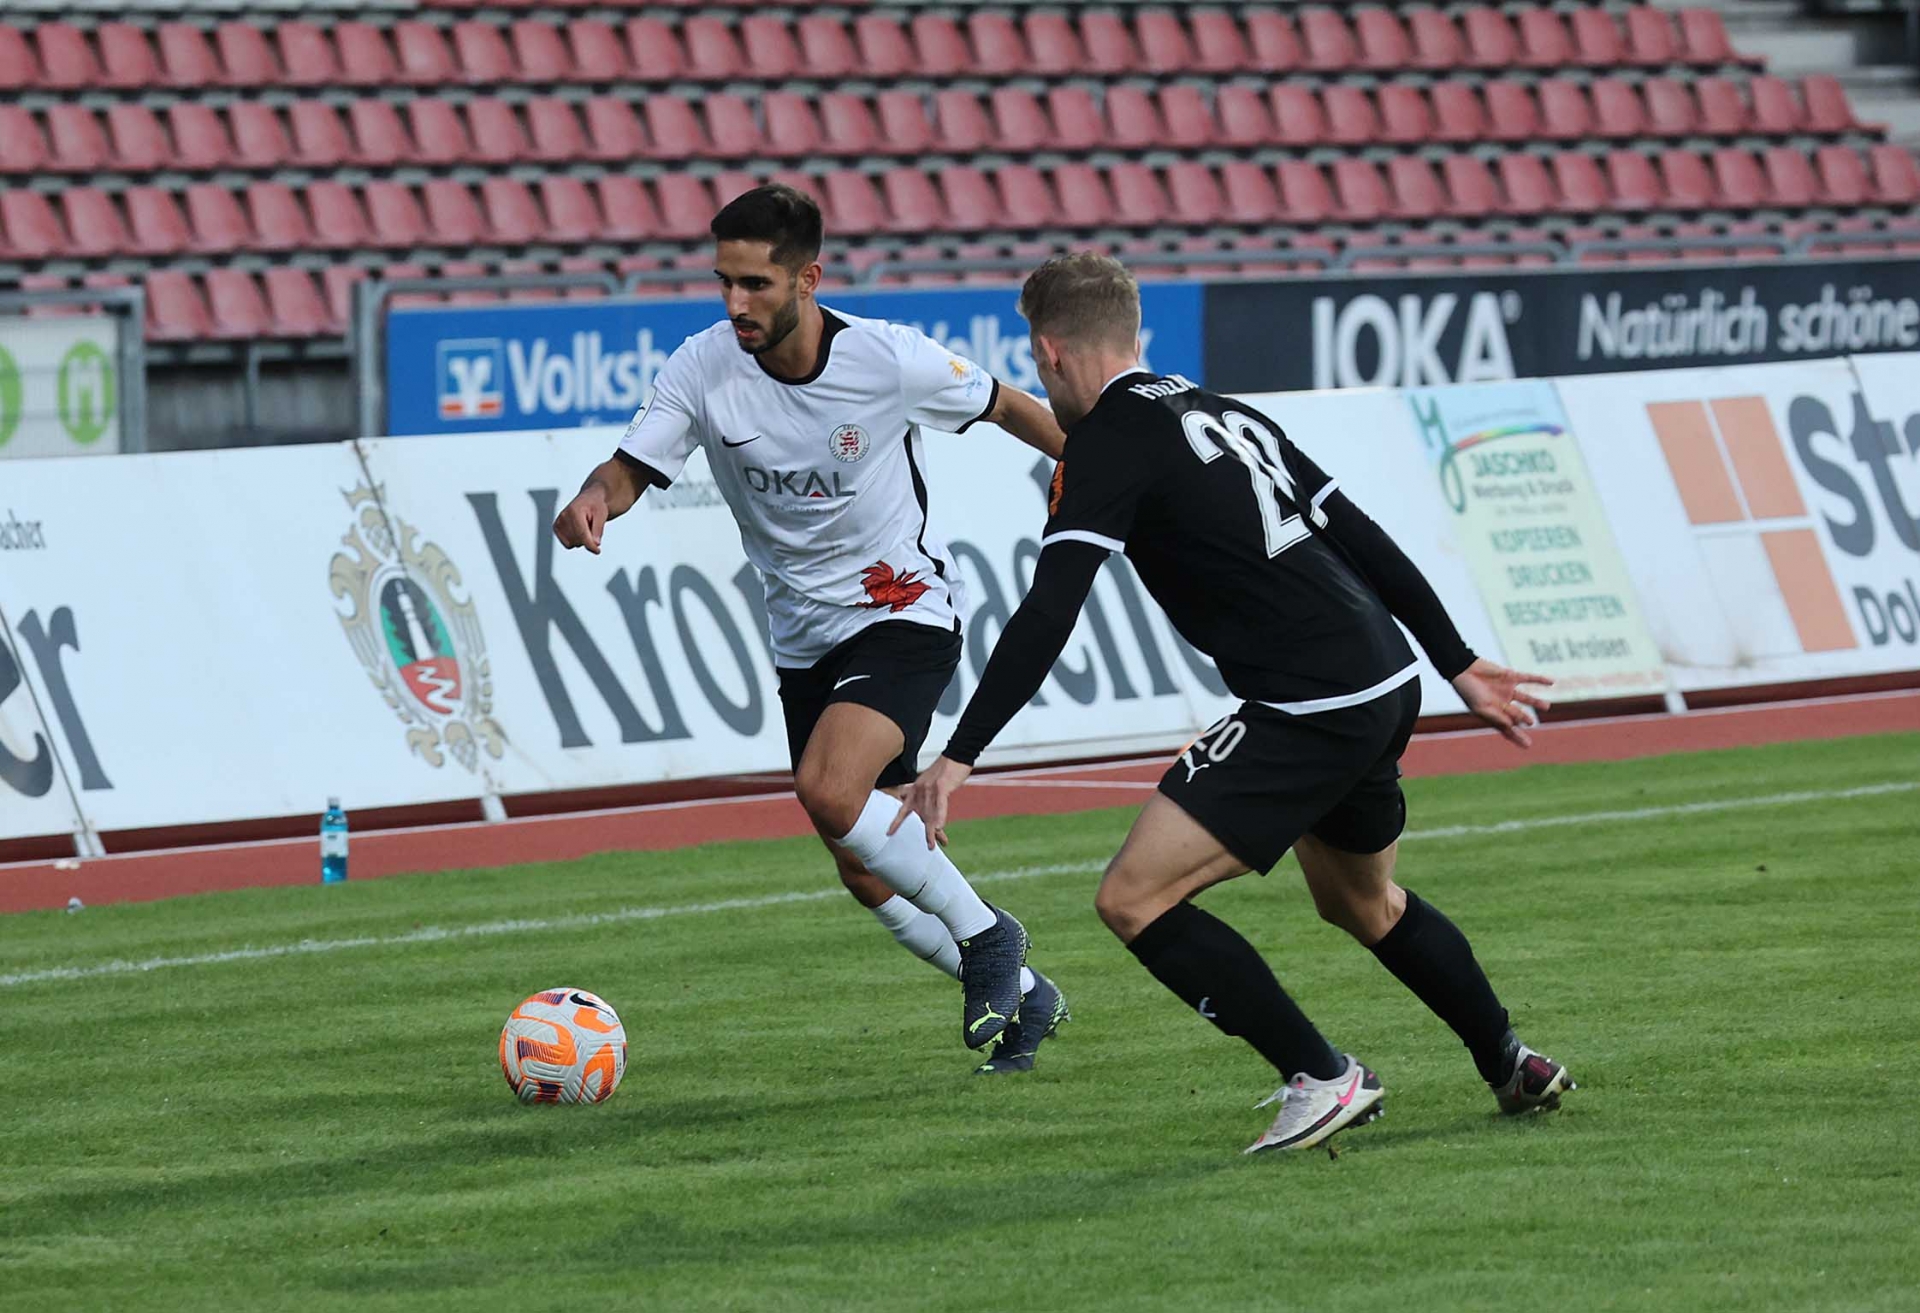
<point x="829" y="803"/>
<point x="1118" y="912"/>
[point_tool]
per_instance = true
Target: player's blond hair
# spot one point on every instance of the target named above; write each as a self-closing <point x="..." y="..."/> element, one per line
<point x="1085" y="298"/>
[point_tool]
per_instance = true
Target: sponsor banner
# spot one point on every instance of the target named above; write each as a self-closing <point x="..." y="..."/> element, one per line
<point x="473" y="369"/>
<point x="59" y="386"/>
<point x="1416" y="331"/>
<point x="34" y="794"/>
<point x="1765" y="514"/>
<point x="1506" y="466"/>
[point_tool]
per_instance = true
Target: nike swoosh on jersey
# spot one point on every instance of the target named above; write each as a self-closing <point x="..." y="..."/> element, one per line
<point x="727" y="442"/>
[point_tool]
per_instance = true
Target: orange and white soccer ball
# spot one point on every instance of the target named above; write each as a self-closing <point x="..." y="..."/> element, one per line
<point x="563" y="1046"/>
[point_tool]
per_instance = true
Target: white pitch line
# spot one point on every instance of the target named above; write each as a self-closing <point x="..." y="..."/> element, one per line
<point x="582" y="920"/>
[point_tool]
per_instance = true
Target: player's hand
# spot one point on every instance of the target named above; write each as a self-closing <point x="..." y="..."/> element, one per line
<point x="928" y="797"/>
<point x="583" y="521"/>
<point x="1493" y="693"/>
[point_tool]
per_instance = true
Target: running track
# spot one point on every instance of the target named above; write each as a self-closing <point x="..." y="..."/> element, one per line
<point x="1037" y="791"/>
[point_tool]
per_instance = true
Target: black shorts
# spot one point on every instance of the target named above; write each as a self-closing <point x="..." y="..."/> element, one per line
<point x="1261" y="778"/>
<point x="898" y="667"/>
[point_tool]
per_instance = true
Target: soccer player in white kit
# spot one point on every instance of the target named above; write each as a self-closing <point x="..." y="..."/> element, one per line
<point x="811" y="421"/>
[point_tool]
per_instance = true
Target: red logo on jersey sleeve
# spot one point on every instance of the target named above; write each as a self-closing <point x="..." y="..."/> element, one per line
<point x="895" y="592"/>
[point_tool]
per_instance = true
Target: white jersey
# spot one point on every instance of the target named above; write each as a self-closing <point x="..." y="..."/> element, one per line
<point x="825" y="473"/>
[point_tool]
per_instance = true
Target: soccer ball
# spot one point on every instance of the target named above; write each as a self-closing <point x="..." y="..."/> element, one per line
<point x="563" y="1046"/>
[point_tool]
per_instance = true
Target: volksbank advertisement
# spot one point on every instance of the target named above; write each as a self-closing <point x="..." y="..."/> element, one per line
<point x="472" y="369"/>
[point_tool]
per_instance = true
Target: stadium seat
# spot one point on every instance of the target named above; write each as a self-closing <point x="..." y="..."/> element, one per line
<point x="883" y="47"/>
<point x="1470" y="188"/>
<point x="1077" y="122"/>
<point x="962" y="124"/>
<point x="393" y="215"/>
<point x="939" y="48"/>
<point x="237" y="309"/>
<point x="296" y="305"/>
<point x="1405" y="119"/>
<point x="555" y="132"/>
<point x="1490" y="39"/>
<point x="127" y="62"/>
<point x="732" y="130"/>
<point x="912" y="203"/>
<point x="1299" y="120"/>
<point x="1112" y="52"/>
<point x="792" y="129"/>
<point x="1685" y="180"/>
<point x="439" y="137"/>
<point x="423" y="58"/>
<point x="23" y="146"/>
<point x="1164" y="47"/>
<point x="1183" y="108"/>
<point x="1774" y="111"/>
<point x="407" y="269"/>
<point x="1055" y="45"/>
<point x="1249" y="195"/>
<point x="1617" y="112"/>
<point x="1436" y="41"/>
<point x="627" y="210"/>
<point x="1723" y="112"/>
<point x="1790" y="178"/>
<point x="1512" y="112"/>
<point x="1581" y="186"/>
<point x="1896" y="174"/>
<point x="1565" y="113"/>
<point x="33" y="231"/>
<point x="480" y="53"/>
<point x="1458" y="112"/>
<point x="453" y="218"/>
<point x="1326" y="42"/>
<point x="1669" y="107"/>
<point x="338" y="218"/>
<point x="1525" y="185"/>
<point x="1826" y="104"/>
<point x="854" y="202"/>
<point x="904" y="126"/>
<point x="199" y="137"/>
<point x="971" y="204"/>
<point x="770" y="51"/>
<point x="597" y="52"/>
<point x="1632" y="181"/>
<point x="44" y="283"/>
<point x="583" y="264"/>
<point x="1304" y="195"/>
<point x="259" y="138"/>
<point x="452" y="269"/>
<point x="186" y="59"/>
<point x="67" y="61"/>
<point x="1244" y="118"/>
<point x="1350" y="117"/>
<point x="19" y="70"/>
<point x="1738" y="179"/>
<point x="1416" y="192"/>
<point x="512" y="215"/>
<point x="1274" y="43"/>
<point x="75" y="139"/>
<point x="509" y="267"/>
<point x="1194" y="194"/>
<point x="571" y="215"/>
<point x="366" y="60"/>
<point x="1363" y="196"/>
<point x="1652" y="41"/>
<point x="176" y="311"/>
<point x="539" y="52"/>
<point x="1139" y="199"/>
<point x="1597" y="42"/>
<point x="674" y="130"/>
<point x="1019" y="124"/>
<point x="378" y="138"/>
<point x="614" y="131"/>
<point x="847" y="126"/>
<point x="1218" y="46"/>
<point x="216" y="219"/>
<point x="246" y="59"/>
<point x="998" y="50"/>
<point x="1383" y="44"/>
<point x="95" y="229"/>
<point x="686" y="206"/>
<point x="276" y="217"/>
<point x="1543" y="40"/>
<point x="1027" y="201"/>
<point x="826" y="47"/>
<point x="495" y="131"/>
<point x="1703" y="39"/>
<point x="1133" y="120"/>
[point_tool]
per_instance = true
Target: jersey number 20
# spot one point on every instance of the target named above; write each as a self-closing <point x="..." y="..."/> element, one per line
<point x="1253" y="445"/>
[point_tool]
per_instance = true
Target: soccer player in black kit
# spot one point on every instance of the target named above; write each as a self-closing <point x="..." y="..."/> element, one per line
<point x="1262" y="563"/>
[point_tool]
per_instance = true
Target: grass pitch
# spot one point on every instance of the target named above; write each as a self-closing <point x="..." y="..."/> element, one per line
<point x="1734" y="988"/>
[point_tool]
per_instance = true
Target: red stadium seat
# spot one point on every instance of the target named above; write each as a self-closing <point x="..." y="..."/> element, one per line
<point x="1525" y="184"/>
<point x="884" y="48"/>
<point x="75" y="138"/>
<point x="686" y="206"/>
<point x="847" y="126"/>
<point x="1775" y="112"/>
<point x="1164" y="47"/>
<point x="278" y="221"/>
<point x="217" y="221"/>
<point x="1490" y="39"/>
<point x="1826" y="102"/>
<point x="1194" y="193"/>
<point x="539" y="52"/>
<point x="1512" y="113"/>
<point x="1471" y="190"/>
<point x="176" y="311"/>
<point x="366" y="60"/>
<point x="555" y="131"/>
<point x="1085" y="200"/>
<point x="627" y="211"/>
<point x="940" y="49"/>
<point x="1077" y="122"/>
<point x="1133" y="121"/>
<point x="67" y="62"/>
<point x="199" y="137"/>
<point x="732" y="130"/>
<point x="1350" y="117"/>
<point x="1596" y="39"/>
<point x="423" y="56"/>
<point x="1218" y="46"/>
<point x="1651" y="38"/>
<point x="512" y="215"/>
<point x="186" y="58"/>
<point x="1139" y="199"/>
<point x="1327" y="42"/>
<point x="1183" y="108"/>
<point x="1669" y="106"/>
<point x="1896" y="174"/>
<point x="378" y="137"/>
<point x="1790" y="178"/>
<point x="854" y="202"/>
<point x="32" y="229"/>
<point x="1383" y="44"/>
<point x="1274" y="43"/>
<point x="1019" y="124"/>
<point x="1686" y="182"/>
<point x="1543" y="40"/>
<point x="480" y="53"/>
<point x="770" y="50"/>
<point x="1304" y="195"/>
<point x="826" y="47"/>
<point x="338" y="219"/>
<point x="399" y="270"/>
<point x="675" y="132"/>
<point x="1404" y="116"/>
<point x="1250" y="198"/>
<point x="139" y="142"/>
<point x="1703" y="38"/>
<point x="1244" y="118"/>
<point x="439" y="135"/>
<point x="527" y="293"/>
<point x="306" y="56"/>
<point x="568" y="205"/>
<point x="792" y="129"/>
<point x="998" y="50"/>
<point x="1582" y="187"/>
<point x="259" y="139"/>
<point x="1363" y="195"/>
<point x="1617" y="110"/>
<point x="495" y="131"/>
<point x="614" y="131"/>
<point x="912" y="204"/>
<point x="473" y="295"/>
<point x="394" y="217"/>
<point x="1055" y="45"/>
<point x="971" y="203"/>
<point x="297" y="307"/>
<point x="964" y="128"/>
<point x="1436" y="42"/>
<point x="1723" y="113"/>
<point x="1416" y="191"/>
<point x="597" y="52"/>
<point x="904" y="127"/>
<point x="127" y="61"/>
<point x="238" y="309"/>
<point x="1111" y="51"/>
<point x="94" y="226"/>
<point x="1634" y="185"/>
<point x="1738" y="179"/>
<point x="246" y="60"/>
<point x="1458" y="114"/>
<point x="583" y="264"/>
<point x="1298" y="117"/>
<point x="452" y="216"/>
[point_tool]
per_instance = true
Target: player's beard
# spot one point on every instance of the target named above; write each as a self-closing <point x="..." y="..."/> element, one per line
<point x="785" y="320"/>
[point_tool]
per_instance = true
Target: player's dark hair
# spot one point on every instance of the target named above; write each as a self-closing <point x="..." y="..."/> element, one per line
<point x="1083" y="297"/>
<point x="784" y="217"/>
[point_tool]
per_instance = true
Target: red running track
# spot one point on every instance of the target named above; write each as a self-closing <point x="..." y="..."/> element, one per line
<point x="1040" y="791"/>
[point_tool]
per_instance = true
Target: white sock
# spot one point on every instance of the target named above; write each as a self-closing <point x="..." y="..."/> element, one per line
<point x="920" y="934"/>
<point x="904" y="864"/>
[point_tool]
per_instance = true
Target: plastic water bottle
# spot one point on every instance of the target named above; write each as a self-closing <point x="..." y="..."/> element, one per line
<point x="333" y="844"/>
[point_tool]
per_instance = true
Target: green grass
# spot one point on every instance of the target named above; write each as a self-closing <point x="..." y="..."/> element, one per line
<point x="1734" y="989"/>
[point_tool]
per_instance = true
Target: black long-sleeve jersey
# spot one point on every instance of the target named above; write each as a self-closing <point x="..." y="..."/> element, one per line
<point x="1253" y="552"/>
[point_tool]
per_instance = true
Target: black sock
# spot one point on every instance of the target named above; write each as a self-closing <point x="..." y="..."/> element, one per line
<point x="1429" y="955"/>
<point x="1215" y="971"/>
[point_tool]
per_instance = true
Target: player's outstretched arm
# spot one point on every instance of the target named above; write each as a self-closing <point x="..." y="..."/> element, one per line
<point x="1028" y="647"/>
<point x="609" y="492"/>
<point x="1027" y="419"/>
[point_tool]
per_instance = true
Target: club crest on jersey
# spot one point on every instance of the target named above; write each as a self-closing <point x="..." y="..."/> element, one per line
<point x="848" y="443"/>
